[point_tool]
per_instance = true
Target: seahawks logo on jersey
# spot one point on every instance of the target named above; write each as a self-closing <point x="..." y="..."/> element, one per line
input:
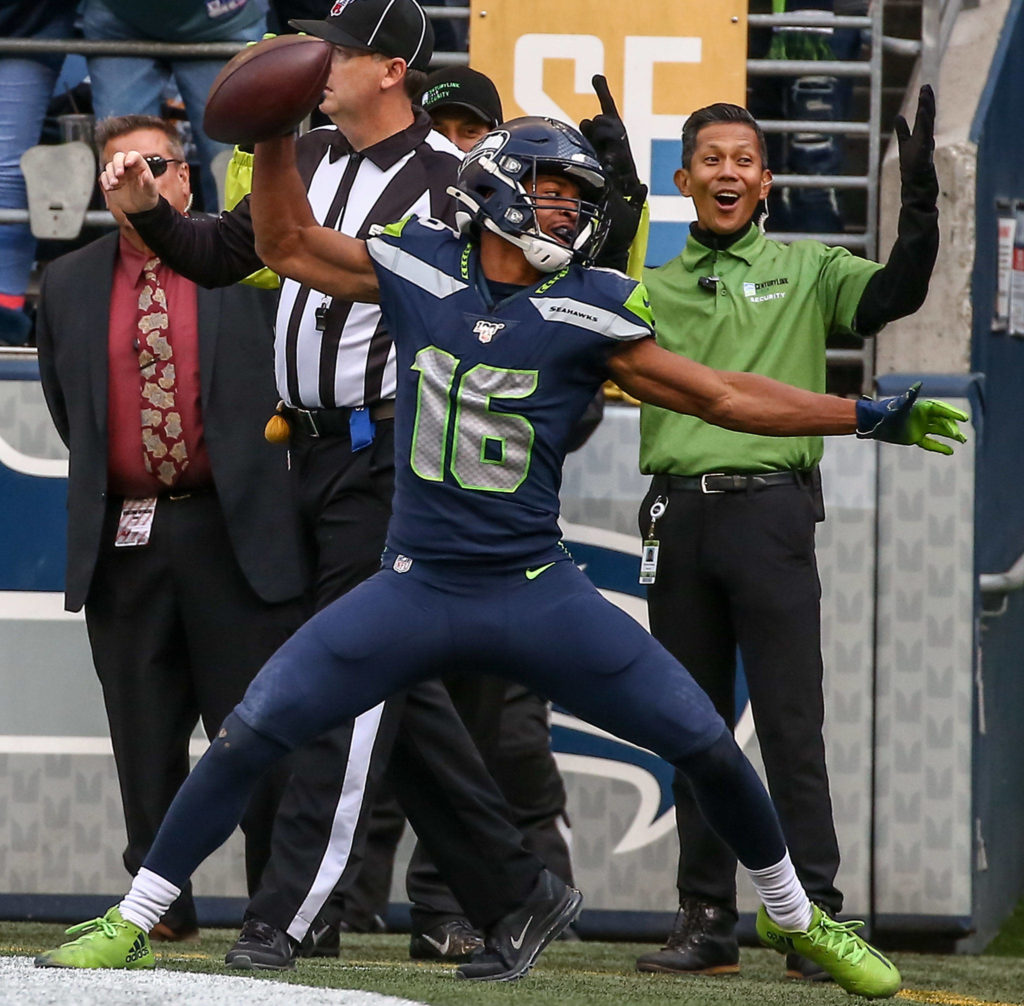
<point x="487" y="330"/>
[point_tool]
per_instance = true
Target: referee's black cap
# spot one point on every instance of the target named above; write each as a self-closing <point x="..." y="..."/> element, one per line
<point x="466" y="88"/>
<point x="397" y="28"/>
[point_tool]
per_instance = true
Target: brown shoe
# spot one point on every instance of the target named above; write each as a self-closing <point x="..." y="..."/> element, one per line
<point x="801" y="969"/>
<point x="162" y="933"/>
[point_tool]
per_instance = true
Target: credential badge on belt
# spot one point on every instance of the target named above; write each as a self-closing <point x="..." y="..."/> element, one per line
<point x="135" y="524"/>
<point x="649" y="555"/>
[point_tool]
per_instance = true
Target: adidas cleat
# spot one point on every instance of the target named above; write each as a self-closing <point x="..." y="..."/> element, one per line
<point x="855" y="965"/>
<point x="109" y="942"/>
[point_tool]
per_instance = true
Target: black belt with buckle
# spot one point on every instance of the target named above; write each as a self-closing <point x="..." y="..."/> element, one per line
<point x="333" y="422"/>
<point x="184" y="494"/>
<point x="722" y="482"/>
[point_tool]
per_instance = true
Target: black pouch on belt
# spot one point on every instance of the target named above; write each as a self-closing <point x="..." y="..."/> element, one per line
<point x="813" y="486"/>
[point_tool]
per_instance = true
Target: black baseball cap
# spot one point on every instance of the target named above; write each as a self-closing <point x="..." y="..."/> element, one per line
<point x="397" y="28"/>
<point x="459" y="85"/>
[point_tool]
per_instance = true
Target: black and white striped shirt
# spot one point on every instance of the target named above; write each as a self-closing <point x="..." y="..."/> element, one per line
<point x="352" y="361"/>
<point x="349" y="362"/>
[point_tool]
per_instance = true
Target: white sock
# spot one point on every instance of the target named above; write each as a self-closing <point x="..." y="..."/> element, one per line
<point x="150" y="896"/>
<point x="784" y="898"/>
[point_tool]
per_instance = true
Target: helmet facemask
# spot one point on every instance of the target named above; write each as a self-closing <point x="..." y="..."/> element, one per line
<point x="496" y="191"/>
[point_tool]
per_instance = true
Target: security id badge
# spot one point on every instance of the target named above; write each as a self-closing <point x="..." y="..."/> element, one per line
<point x="135" y="523"/>
<point x="649" y="561"/>
<point x="649" y="555"/>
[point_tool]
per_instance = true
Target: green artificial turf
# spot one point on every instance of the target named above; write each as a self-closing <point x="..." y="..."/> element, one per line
<point x="1010" y="941"/>
<point x="583" y="974"/>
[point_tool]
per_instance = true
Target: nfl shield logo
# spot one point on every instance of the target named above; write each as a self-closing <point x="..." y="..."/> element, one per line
<point x="402" y="564"/>
<point x="487" y="330"/>
<point x="339" y="6"/>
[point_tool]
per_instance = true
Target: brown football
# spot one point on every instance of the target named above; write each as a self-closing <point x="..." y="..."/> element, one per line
<point x="267" y="89"/>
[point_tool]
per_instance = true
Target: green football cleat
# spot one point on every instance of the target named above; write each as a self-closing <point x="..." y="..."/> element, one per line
<point x="856" y="966"/>
<point x="109" y="942"/>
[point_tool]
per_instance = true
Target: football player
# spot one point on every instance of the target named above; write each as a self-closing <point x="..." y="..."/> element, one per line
<point x="503" y="335"/>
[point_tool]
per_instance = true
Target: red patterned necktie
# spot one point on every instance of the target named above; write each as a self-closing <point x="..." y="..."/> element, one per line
<point x="163" y="442"/>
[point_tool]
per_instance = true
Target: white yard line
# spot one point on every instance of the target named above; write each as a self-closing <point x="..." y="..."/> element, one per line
<point x="21" y="983"/>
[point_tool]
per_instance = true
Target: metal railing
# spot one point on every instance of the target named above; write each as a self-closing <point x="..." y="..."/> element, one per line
<point x="995" y="588"/>
<point x="170" y="50"/>
<point x="162" y="50"/>
<point x="867" y="69"/>
<point x="937" y="20"/>
<point x="191" y="50"/>
<point x="92" y="218"/>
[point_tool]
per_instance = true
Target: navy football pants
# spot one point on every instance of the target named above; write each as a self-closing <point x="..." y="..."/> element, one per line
<point x="555" y="634"/>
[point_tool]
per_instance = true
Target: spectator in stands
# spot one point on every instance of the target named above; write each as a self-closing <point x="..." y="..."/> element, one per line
<point x="734" y="513"/>
<point x="136" y="84"/>
<point x="26" y="83"/>
<point x="283" y="11"/>
<point x="811" y="98"/>
<point x="451" y="33"/>
<point x="191" y="573"/>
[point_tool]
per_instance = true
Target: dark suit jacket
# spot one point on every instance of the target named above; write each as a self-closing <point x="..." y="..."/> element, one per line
<point x="236" y="364"/>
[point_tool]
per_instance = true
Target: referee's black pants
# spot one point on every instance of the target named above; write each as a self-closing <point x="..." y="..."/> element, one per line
<point x="509" y="725"/>
<point x="737" y="570"/>
<point x="177" y="634"/>
<point x="417" y="738"/>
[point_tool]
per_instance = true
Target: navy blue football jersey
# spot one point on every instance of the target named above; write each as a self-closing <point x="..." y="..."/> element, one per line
<point x="488" y="394"/>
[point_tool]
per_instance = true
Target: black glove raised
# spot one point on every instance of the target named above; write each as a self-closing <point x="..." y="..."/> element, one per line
<point x="607" y="135"/>
<point x="919" y="184"/>
<point x="623" y="221"/>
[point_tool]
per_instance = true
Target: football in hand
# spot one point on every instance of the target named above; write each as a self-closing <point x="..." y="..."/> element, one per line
<point x="267" y="89"/>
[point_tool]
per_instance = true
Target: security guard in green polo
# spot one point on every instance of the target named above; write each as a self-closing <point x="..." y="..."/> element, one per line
<point x="734" y="514"/>
<point x="770" y="311"/>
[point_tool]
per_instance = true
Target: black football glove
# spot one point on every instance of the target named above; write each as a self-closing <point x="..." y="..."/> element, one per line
<point x="623" y="221"/>
<point x="919" y="184"/>
<point x="607" y="135"/>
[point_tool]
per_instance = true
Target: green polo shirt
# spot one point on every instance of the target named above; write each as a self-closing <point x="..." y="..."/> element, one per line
<point x="772" y="310"/>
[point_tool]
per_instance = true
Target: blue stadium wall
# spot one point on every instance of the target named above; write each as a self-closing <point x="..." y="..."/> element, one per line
<point x="998" y="767"/>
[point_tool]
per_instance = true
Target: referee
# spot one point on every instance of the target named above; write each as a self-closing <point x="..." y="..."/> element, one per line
<point x="377" y="163"/>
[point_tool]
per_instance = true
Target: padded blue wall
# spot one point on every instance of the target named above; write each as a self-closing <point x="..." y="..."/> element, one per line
<point x="998" y="766"/>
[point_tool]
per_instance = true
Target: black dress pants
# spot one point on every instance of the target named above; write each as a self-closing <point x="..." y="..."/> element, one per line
<point x="509" y="725"/>
<point x="177" y="634"/>
<point x="737" y="570"/>
<point x="435" y="770"/>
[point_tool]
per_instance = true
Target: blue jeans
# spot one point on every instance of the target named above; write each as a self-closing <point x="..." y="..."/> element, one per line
<point x="130" y="85"/>
<point x="25" y="89"/>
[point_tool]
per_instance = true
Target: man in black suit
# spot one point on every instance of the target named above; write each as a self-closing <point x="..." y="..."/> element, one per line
<point x="183" y="541"/>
